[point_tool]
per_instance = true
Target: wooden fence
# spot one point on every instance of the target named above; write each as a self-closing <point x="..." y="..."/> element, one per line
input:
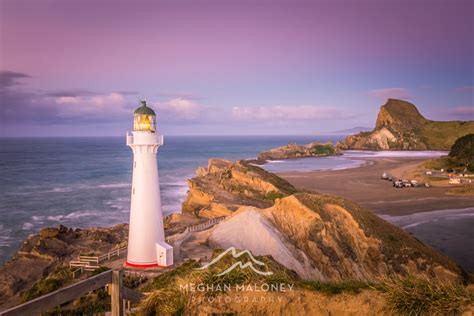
<point x="196" y="228"/>
<point x="118" y="293"/>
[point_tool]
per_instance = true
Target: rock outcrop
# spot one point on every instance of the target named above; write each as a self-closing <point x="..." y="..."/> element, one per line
<point x="224" y="186"/>
<point x="320" y="237"/>
<point x="290" y="151"/>
<point x="400" y="126"/>
<point x="43" y="253"/>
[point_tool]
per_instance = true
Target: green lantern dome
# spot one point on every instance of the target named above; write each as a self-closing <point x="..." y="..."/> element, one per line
<point x="143" y="109"/>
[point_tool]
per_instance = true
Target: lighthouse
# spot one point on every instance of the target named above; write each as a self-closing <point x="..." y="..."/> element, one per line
<point x="146" y="238"/>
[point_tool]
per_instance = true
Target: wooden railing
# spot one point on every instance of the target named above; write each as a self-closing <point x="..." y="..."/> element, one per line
<point x="196" y="228"/>
<point x="91" y="263"/>
<point x="118" y="294"/>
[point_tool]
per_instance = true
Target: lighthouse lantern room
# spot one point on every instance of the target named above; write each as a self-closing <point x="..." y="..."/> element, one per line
<point x="146" y="238"/>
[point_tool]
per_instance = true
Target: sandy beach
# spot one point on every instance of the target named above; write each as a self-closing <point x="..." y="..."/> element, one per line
<point x="365" y="186"/>
<point x="440" y="220"/>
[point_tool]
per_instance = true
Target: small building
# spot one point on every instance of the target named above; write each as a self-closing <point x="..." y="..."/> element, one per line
<point x="454" y="181"/>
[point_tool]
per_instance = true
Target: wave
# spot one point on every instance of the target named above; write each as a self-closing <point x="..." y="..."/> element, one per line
<point x="393" y="153"/>
<point x="417" y="219"/>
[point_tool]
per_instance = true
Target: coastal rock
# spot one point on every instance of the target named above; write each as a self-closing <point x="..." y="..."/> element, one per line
<point x="328" y="238"/>
<point x="400" y="126"/>
<point x="50" y="249"/>
<point x="225" y="186"/>
<point x="314" y="149"/>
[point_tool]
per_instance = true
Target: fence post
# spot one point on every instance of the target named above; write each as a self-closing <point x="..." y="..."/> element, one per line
<point x="116" y="293"/>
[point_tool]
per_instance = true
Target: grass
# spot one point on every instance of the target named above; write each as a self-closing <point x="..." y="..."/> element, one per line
<point x="334" y="288"/>
<point x="58" y="278"/>
<point x="405" y="296"/>
<point x="443" y="163"/>
<point x="423" y="296"/>
<point x="273" y="195"/>
<point x="323" y="149"/>
<point x="166" y="301"/>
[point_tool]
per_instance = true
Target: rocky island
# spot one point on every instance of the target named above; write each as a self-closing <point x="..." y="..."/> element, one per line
<point x="290" y="151"/>
<point x="400" y="126"/>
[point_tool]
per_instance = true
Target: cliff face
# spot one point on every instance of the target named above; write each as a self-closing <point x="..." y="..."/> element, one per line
<point x="400" y="125"/>
<point x="328" y="238"/>
<point x="314" y="149"/>
<point x="320" y="237"/>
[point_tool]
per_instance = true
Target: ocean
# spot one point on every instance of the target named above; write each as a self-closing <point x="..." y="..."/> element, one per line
<point x="85" y="182"/>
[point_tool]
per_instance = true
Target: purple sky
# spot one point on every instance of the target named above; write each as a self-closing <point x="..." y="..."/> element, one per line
<point x="230" y="67"/>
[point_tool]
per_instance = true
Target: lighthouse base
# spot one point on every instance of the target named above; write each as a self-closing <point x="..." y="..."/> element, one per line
<point x="164" y="256"/>
<point x="127" y="264"/>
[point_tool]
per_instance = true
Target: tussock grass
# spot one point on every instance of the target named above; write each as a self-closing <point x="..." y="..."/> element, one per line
<point x="164" y="302"/>
<point x="425" y="296"/>
<point x="334" y="288"/>
<point x="57" y="279"/>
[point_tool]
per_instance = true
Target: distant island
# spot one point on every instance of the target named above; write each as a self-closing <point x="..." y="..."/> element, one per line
<point x="357" y="129"/>
<point x="400" y="126"/>
<point x="291" y="151"/>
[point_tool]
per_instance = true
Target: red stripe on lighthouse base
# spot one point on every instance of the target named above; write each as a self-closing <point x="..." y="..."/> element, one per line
<point x="143" y="266"/>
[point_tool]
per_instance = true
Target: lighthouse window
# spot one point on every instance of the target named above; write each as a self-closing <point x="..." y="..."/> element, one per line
<point x="133" y="190"/>
<point x="144" y="122"/>
<point x="134" y="164"/>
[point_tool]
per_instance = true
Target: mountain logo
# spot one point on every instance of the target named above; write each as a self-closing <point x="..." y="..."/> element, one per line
<point x="239" y="263"/>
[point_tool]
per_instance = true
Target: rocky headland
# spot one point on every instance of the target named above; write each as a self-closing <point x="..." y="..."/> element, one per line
<point x="400" y="126"/>
<point x="321" y="237"/>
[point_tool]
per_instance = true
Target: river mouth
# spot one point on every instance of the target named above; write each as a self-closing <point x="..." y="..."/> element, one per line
<point x="348" y="160"/>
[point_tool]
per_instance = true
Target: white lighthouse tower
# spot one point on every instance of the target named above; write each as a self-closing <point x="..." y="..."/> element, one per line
<point x="146" y="238"/>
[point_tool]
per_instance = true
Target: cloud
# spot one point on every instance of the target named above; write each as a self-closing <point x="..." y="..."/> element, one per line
<point x="469" y="89"/>
<point x="465" y="112"/>
<point x="393" y="93"/>
<point x="19" y="105"/>
<point x="10" y="78"/>
<point x="181" y="109"/>
<point x="284" y="113"/>
<point x="103" y="106"/>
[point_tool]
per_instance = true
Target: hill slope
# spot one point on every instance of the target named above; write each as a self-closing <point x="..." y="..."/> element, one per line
<point x="400" y="126"/>
<point x="320" y="237"/>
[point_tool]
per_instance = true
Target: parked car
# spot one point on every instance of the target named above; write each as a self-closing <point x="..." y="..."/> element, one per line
<point x="398" y="184"/>
<point x="414" y="183"/>
<point x="384" y="176"/>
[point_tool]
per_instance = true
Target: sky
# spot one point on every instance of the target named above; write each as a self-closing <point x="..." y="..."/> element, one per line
<point x="79" y="68"/>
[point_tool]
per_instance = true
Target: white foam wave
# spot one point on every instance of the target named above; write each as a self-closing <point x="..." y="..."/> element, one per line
<point x="393" y="153"/>
<point x="413" y="220"/>
<point x="27" y="226"/>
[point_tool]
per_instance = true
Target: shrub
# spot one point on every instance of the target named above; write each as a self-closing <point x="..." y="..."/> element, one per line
<point x="42" y="287"/>
<point x="424" y="296"/>
<point x="333" y="288"/>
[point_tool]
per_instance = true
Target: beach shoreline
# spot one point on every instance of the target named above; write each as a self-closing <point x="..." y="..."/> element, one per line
<point x="427" y="213"/>
<point x="363" y="185"/>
